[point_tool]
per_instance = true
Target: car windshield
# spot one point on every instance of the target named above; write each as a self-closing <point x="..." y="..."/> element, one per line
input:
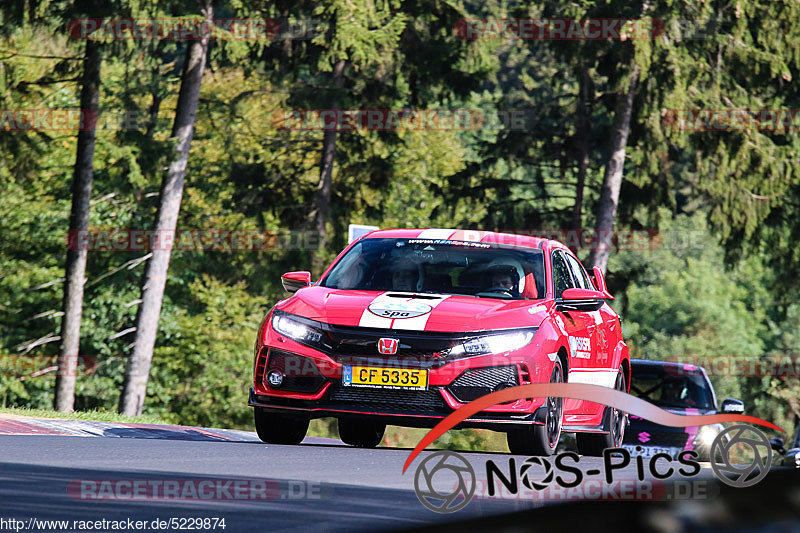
<point x="444" y="267"/>
<point x="667" y="388"/>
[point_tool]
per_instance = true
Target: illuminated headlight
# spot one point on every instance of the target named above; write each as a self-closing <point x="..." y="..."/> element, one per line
<point x="496" y="343"/>
<point x="706" y="435"/>
<point x="296" y="330"/>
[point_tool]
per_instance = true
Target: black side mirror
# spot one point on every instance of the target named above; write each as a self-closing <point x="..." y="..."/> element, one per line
<point x="731" y="405"/>
<point x="776" y="444"/>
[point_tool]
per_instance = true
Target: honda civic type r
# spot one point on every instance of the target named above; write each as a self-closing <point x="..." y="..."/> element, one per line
<point x="406" y="326"/>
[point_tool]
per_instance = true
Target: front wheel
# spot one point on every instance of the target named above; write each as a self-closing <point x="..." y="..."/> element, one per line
<point x="541" y="439"/>
<point x="273" y="428"/>
<point x="361" y="433"/>
<point x="593" y="444"/>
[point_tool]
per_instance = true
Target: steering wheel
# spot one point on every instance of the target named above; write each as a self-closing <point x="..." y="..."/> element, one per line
<point x="500" y="289"/>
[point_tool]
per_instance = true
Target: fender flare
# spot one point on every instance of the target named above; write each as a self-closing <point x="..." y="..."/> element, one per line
<point x="622" y="358"/>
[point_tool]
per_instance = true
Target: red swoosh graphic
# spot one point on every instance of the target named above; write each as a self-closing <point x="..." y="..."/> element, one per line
<point x="579" y="391"/>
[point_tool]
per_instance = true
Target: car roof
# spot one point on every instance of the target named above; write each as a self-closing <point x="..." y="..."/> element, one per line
<point x="513" y="239"/>
<point x="651" y="364"/>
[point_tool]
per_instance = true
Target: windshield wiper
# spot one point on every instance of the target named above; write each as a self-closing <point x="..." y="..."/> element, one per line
<point x="422" y="295"/>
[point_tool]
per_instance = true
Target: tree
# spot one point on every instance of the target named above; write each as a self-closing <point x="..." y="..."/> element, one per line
<point x="137" y="370"/>
<point x="322" y="198"/>
<point x="612" y="180"/>
<point x="78" y="222"/>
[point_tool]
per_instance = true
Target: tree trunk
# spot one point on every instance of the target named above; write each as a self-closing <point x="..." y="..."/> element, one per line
<point x="137" y="371"/>
<point x="583" y="129"/>
<point x="78" y="222"/>
<point x="612" y="180"/>
<point x="322" y="198"/>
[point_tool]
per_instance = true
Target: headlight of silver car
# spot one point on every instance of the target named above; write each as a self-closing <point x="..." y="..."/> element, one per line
<point x="706" y="436"/>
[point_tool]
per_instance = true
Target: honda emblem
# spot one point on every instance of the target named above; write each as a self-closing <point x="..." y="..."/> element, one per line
<point x="388" y="346"/>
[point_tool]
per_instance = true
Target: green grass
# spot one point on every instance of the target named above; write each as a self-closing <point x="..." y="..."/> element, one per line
<point x="95" y="415"/>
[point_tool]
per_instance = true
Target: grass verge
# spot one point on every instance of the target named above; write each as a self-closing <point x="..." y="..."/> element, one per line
<point x="94" y="415"/>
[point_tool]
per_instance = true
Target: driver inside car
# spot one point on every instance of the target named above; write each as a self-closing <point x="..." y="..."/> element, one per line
<point x="675" y="392"/>
<point x="503" y="276"/>
<point x="405" y="277"/>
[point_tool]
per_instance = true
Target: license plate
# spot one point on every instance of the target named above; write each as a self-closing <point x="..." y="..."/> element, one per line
<point x="384" y="378"/>
<point x="649" y="451"/>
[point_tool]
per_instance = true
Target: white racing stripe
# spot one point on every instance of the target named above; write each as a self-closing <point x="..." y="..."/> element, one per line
<point x="371" y="320"/>
<point x="436" y="233"/>
<point x="418" y="323"/>
<point x="605" y="377"/>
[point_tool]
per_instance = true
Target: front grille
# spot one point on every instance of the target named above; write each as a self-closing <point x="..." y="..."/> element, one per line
<point x="476" y="382"/>
<point x="645" y="437"/>
<point x="393" y="400"/>
<point x="415" y="350"/>
<point x="300" y="373"/>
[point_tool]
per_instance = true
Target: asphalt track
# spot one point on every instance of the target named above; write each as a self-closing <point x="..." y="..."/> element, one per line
<point x="321" y="485"/>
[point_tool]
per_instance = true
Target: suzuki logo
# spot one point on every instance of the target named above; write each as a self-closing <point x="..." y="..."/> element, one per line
<point x="388" y="346"/>
<point x="644" y="436"/>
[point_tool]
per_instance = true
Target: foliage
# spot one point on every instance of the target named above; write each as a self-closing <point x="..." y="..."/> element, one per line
<point x="740" y="189"/>
<point x="683" y="303"/>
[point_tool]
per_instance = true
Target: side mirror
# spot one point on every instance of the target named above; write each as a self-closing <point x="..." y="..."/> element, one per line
<point x="776" y="444"/>
<point x="292" y="281"/>
<point x="580" y="300"/>
<point x="582" y="294"/>
<point x="600" y="282"/>
<point x="732" y="406"/>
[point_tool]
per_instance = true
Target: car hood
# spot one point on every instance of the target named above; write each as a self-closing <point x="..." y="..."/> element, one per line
<point x="687" y="411"/>
<point x="415" y="312"/>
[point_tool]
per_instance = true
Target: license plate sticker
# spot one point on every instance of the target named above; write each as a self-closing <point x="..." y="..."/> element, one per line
<point x="385" y="378"/>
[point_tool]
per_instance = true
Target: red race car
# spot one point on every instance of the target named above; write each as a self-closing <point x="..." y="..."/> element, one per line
<point x="408" y="325"/>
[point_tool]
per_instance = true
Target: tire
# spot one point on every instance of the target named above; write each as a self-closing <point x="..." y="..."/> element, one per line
<point x="593" y="444"/>
<point x="279" y="429"/>
<point x="361" y="433"/>
<point x="538" y="439"/>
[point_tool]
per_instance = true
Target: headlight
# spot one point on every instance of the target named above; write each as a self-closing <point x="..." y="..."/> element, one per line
<point x="706" y="435"/>
<point x="495" y="343"/>
<point x="296" y="330"/>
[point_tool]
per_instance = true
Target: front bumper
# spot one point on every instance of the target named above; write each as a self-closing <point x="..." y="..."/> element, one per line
<point x="312" y="377"/>
<point x="420" y="414"/>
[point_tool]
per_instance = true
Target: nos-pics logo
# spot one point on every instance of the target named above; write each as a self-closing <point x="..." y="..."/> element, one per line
<point x="445" y="481"/>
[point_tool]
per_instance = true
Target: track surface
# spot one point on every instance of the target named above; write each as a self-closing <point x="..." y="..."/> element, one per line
<point x="322" y="484"/>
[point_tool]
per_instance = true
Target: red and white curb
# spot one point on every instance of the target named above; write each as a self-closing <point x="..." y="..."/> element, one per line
<point x="84" y="428"/>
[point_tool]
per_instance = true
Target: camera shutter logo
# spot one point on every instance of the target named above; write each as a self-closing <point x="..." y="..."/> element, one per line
<point x="541" y="484"/>
<point x="450" y="466"/>
<point x="740" y="475"/>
